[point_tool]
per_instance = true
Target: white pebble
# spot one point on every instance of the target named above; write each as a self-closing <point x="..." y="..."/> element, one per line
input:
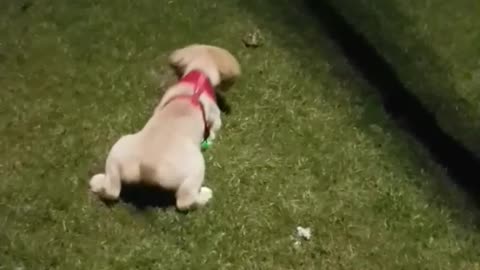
<point x="305" y="233"/>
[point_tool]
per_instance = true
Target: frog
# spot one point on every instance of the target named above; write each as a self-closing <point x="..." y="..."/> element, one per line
<point x="253" y="39"/>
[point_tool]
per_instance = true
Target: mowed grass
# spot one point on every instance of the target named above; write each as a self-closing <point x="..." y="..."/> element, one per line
<point x="301" y="147"/>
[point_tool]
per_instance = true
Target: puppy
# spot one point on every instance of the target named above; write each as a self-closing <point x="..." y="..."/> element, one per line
<point x="166" y="152"/>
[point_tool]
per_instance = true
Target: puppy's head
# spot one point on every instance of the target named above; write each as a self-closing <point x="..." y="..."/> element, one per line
<point x="219" y="64"/>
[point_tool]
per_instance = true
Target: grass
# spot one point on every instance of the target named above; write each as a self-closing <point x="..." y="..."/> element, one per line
<point x="306" y="144"/>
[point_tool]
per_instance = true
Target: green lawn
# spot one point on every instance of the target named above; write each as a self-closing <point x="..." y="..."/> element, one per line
<point x="306" y="144"/>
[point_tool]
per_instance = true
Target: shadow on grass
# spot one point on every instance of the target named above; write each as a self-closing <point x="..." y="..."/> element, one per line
<point x="401" y="103"/>
<point x="144" y="197"/>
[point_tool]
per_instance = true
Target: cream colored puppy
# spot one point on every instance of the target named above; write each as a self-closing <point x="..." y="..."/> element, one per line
<point x="166" y="152"/>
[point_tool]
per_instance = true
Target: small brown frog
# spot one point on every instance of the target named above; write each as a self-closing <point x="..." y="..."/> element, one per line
<point x="253" y="39"/>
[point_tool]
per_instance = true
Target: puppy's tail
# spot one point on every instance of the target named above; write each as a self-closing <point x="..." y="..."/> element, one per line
<point x="218" y="63"/>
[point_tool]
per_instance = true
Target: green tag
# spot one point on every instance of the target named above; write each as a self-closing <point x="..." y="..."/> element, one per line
<point x="205" y="145"/>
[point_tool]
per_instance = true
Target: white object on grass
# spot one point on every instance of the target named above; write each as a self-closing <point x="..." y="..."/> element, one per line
<point x="305" y="233"/>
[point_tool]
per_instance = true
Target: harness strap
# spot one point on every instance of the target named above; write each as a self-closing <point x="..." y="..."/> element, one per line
<point x="201" y="85"/>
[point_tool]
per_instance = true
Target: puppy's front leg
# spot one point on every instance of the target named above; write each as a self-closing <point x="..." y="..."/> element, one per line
<point x="214" y="128"/>
<point x="214" y="120"/>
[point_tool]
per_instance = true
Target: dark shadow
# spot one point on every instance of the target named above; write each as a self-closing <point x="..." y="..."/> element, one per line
<point x="399" y="102"/>
<point x="144" y="196"/>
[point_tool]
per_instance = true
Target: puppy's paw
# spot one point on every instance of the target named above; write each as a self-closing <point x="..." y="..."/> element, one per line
<point x="99" y="186"/>
<point x="204" y="196"/>
<point x="97" y="183"/>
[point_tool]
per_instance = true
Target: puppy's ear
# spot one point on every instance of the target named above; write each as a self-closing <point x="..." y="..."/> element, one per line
<point x="227" y="64"/>
<point x="180" y="58"/>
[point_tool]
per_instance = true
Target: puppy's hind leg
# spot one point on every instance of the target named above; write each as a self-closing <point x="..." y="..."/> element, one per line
<point x="121" y="165"/>
<point x="191" y="194"/>
<point x="107" y="186"/>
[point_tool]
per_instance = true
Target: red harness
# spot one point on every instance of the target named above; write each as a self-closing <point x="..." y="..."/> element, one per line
<point x="201" y="85"/>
